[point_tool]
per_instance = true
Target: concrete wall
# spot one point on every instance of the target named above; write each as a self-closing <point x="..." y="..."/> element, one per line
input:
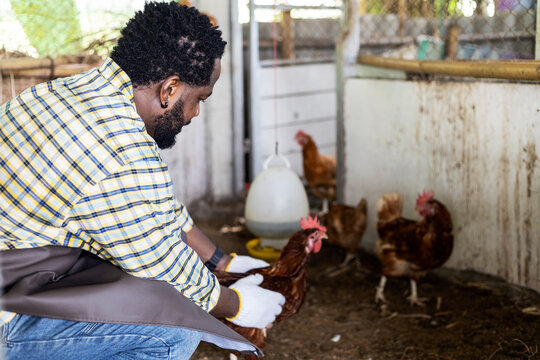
<point x="473" y="143"/>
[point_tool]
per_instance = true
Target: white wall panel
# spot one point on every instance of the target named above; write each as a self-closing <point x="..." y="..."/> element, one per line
<point x="297" y="79"/>
<point x="293" y="109"/>
<point x="305" y="100"/>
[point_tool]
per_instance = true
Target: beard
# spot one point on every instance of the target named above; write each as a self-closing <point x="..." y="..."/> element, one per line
<point x="168" y="125"/>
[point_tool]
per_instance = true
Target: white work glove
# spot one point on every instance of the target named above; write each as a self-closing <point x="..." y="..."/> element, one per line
<point x="241" y="264"/>
<point x="258" y="307"/>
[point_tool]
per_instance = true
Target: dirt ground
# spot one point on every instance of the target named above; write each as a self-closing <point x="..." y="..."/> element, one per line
<point x="468" y="315"/>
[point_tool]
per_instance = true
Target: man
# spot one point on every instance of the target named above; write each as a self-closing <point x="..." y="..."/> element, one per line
<point x="83" y="186"/>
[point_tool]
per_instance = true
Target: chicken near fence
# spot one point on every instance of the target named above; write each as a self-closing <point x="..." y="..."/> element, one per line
<point x="319" y="170"/>
<point x="287" y="275"/>
<point x="346" y="226"/>
<point x="408" y="248"/>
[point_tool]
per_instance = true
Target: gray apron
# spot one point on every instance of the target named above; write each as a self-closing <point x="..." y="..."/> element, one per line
<point x="72" y="284"/>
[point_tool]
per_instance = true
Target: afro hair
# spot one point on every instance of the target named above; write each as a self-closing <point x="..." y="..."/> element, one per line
<point x="168" y="39"/>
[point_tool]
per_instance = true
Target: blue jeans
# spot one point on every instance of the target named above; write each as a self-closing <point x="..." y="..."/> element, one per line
<point x="30" y="337"/>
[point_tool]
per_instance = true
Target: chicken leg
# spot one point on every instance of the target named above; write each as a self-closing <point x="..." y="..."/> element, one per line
<point x="413" y="298"/>
<point x="344" y="266"/>
<point x="325" y="207"/>
<point x="379" y="295"/>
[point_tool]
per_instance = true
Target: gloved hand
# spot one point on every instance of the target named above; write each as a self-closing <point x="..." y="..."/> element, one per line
<point x="241" y="264"/>
<point x="258" y="307"/>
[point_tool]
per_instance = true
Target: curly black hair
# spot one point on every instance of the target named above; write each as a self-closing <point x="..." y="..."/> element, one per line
<point x="168" y="39"/>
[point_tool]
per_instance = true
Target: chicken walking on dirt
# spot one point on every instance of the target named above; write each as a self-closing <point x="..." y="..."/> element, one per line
<point x="346" y="226"/>
<point x="319" y="170"/>
<point x="408" y="248"/>
<point x="286" y="276"/>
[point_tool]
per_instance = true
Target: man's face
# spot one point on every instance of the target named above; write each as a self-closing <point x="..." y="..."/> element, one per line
<point x="170" y="123"/>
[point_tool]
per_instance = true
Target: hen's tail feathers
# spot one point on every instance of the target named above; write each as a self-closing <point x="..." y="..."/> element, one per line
<point x="389" y="207"/>
<point x="361" y="208"/>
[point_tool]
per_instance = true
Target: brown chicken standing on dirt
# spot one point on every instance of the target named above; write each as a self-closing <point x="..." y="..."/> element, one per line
<point x="346" y="225"/>
<point x="286" y="276"/>
<point x="411" y="248"/>
<point x="319" y="170"/>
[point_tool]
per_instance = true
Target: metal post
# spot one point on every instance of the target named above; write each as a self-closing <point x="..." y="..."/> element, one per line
<point x="254" y="94"/>
<point x="238" y="99"/>
<point x="347" y="48"/>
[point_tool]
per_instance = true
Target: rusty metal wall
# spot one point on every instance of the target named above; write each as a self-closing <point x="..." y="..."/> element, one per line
<point x="473" y="143"/>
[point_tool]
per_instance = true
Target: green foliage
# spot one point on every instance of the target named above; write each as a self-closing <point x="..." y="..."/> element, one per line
<point x="446" y="8"/>
<point x="452" y="7"/>
<point x="52" y="26"/>
<point x="376" y="7"/>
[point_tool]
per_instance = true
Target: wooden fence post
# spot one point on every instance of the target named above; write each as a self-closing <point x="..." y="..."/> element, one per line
<point x="402" y="15"/>
<point x="287" y="36"/>
<point x="452" y="41"/>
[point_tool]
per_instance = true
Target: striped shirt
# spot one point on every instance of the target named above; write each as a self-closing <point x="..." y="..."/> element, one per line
<point x="78" y="169"/>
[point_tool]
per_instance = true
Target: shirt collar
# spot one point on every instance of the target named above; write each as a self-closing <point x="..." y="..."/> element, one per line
<point x="116" y="76"/>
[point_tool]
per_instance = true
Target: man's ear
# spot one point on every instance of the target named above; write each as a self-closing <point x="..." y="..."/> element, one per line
<point x="170" y="87"/>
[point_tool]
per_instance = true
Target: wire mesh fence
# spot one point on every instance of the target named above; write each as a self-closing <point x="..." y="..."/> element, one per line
<point x="448" y="29"/>
<point x="406" y="29"/>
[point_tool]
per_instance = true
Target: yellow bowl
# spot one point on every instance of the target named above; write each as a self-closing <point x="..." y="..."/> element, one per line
<point x="266" y="253"/>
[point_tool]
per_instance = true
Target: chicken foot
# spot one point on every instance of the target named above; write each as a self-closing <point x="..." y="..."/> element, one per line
<point x="413" y="298"/>
<point x="379" y="295"/>
<point x="349" y="260"/>
<point x="325" y="207"/>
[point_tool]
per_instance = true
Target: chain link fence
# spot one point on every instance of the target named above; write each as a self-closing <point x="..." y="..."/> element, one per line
<point x="406" y="29"/>
<point x="448" y="29"/>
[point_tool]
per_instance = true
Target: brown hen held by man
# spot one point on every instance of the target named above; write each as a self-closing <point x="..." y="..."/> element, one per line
<point x="286" y="276"/>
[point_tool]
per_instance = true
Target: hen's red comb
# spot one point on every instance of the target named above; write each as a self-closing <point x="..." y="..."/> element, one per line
<point x="423" y="197"/>
<point x="311" y="222"/>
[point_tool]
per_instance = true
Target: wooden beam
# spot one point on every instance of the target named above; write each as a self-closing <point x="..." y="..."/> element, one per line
<point x="23" y="63"/>
<point x="510" y="70"/>
<point x="59" y="71"/>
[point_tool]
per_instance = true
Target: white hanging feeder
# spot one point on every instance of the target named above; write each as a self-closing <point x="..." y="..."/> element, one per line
<point x="275" y="203"/>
